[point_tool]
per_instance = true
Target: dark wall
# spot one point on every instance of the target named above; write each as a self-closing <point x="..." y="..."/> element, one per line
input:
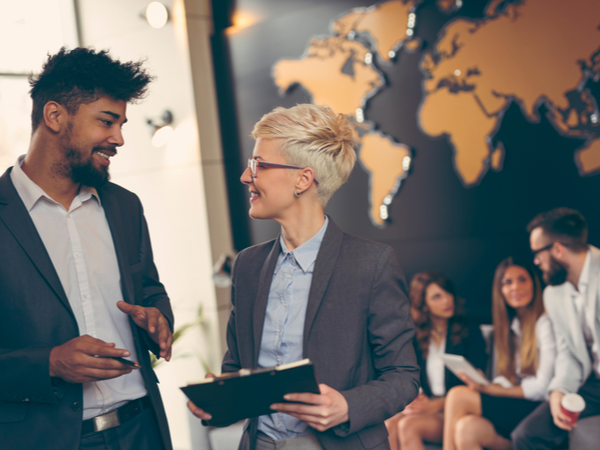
<point x="435" y="222"/>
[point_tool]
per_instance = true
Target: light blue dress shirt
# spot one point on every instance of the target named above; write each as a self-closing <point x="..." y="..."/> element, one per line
<point x="283" y="330"/>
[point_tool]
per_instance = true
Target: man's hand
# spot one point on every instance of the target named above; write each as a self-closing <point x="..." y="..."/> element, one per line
<point x="198" y="412"/>
<point x="155" y="324"/>
<point x="84" y="359"/>
<point x="560" y="419"/>
<point x="319" y="411"/>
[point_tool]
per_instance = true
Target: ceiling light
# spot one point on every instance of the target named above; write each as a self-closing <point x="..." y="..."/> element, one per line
<point x="161" y="131"/>
<point x="157" y="14"/>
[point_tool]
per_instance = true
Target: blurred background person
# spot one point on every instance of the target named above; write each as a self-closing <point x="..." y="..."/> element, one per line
<point x="571" y="267"/>
<point x="440" y="328"/>
<point x="479" y="416"/>
<point x="316" y="292"/>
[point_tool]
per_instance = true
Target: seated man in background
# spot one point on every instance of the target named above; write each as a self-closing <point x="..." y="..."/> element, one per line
<point x="571" y="268"/>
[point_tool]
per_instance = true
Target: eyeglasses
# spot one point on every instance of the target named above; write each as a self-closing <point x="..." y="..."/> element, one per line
<point x="254" y="164"/>
<point x="537" y="252"/>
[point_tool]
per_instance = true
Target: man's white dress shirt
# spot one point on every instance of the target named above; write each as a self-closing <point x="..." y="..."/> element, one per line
<point x="80" y="245"/>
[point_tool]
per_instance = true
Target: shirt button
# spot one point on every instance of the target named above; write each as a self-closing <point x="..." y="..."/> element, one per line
<point x="85" y="296"/>
<point x="76" y="406"/>
<point x="287" y="275"/>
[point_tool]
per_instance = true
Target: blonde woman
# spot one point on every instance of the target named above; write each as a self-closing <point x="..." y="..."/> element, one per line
<point x="480" y="416"/>
<point x="440" y="328"/>
<point x="316" y="292"/>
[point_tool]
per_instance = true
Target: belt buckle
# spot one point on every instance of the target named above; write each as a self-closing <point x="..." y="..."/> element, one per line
<point x="106" y="421"/>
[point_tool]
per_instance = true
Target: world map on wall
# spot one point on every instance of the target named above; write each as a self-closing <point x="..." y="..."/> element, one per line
<point x="472" y="74"/>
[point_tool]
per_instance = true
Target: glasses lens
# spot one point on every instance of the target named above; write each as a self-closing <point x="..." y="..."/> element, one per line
<point x="252" y="166"/>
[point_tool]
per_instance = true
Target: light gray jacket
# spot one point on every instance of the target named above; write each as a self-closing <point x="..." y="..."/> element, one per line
<point x="573" y="365"/>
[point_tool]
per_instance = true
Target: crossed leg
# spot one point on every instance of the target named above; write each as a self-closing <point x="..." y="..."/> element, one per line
<point x="464" y="428"/>
<point x="407" y="432"/>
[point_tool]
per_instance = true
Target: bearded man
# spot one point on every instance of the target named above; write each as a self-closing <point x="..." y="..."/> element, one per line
<point x="79" y="292"/>
<point x="571" y="268"/>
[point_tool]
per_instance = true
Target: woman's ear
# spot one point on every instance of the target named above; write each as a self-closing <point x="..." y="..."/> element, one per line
<point x="305" y="179"/>
<point x="54" y="114"/>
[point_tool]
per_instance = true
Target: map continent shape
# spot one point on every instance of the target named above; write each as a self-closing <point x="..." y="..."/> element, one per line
<point x="321" y="73"/>
<point x="386" y="24"/>
<point x="474" y="61"/>
<point x="387" y="163"/>
<point x="336" y="73"/>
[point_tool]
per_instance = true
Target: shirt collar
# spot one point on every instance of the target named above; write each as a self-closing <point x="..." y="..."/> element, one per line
<point x="30" y="192"/>
<point x="306" y="254"/>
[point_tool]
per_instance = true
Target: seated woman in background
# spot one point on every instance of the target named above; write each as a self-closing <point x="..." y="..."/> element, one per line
<point x="480" y="416"/>
<point x="439" y="329"/>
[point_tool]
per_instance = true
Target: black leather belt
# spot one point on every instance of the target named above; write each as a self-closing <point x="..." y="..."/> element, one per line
<point x="116" y="417"/>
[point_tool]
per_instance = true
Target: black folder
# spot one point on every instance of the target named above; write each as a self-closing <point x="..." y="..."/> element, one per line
<point x="247" y="393"/>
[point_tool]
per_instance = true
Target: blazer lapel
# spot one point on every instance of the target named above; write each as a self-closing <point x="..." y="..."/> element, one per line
<point x="262" y="297"/>
<point x="18" y="221"/>
<point x="592" y="290"/>
<point x="567" y="313"/>
<point x="324" y="266"/>
<point x="113" y="217"/>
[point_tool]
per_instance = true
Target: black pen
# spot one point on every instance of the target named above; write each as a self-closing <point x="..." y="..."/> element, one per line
<point x="125" y="361"/>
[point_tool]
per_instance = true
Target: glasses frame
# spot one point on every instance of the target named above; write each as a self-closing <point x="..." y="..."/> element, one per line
<point x="536" y="253"/>
<point x="254" y="164"/>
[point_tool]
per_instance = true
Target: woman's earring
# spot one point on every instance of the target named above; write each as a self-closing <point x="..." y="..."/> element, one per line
<point x="297" y="194"/>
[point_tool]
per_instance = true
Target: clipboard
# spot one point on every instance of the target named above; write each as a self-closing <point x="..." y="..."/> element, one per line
<point x="458" y="363"/>
<point x="248" y="393"/>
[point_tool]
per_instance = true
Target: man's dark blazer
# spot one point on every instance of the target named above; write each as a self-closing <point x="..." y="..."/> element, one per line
<point x="37" y="411"/>
<point x="358" y="332"/>
<point x="471" y="346"/>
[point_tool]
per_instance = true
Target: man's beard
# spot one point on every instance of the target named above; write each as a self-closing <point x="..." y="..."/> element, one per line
<point x="557" y="274"/>
<point x="85" y="172"/>
<point x="79" y="170"/>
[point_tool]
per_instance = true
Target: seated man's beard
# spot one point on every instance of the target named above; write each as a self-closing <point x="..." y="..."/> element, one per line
<point x="85" y="172"/>
<point x="557" y="273"/>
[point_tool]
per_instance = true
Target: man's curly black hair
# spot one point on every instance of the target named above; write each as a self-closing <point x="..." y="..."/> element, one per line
<point x="82" y="76"/>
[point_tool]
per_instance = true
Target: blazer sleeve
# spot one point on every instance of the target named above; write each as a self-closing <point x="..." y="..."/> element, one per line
<point x="25" y="376"/>
<point x="568" y="371"/>
<point x="472" y="347"/>
<point x="390" y="334"/>
<point x="153" y="293"/>
<point x="231" y="360"/>
<point x="476" y="348"/>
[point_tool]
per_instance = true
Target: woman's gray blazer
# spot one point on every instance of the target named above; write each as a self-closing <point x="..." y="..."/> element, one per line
<point x="358" y="332"/>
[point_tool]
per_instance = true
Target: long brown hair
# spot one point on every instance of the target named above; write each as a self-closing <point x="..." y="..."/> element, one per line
<point x="420" y="314"/>
<point x="503" y="315"/>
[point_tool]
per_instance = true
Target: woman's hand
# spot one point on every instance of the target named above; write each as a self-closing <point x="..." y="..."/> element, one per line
<point x="424" y="405"/>
<point x="319" y="411"/>
<point x="198" y="412"/>
<point x="490" y="389"/>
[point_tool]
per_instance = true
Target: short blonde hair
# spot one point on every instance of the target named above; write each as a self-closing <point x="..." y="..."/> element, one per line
<point x="316" y="137"/>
